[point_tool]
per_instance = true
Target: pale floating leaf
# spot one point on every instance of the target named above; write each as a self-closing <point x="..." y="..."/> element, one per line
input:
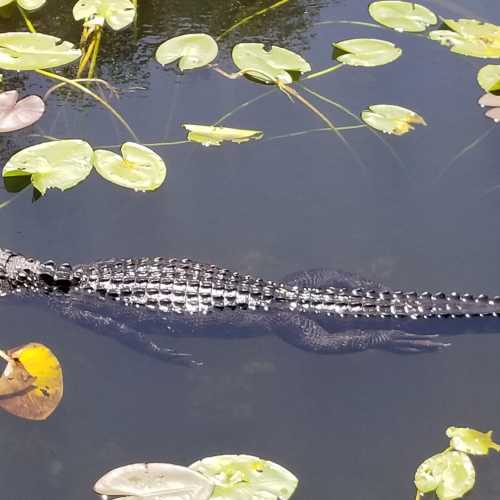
<point x="450" y="474"/>
<point x="489" y="100"/>
<point x="194" y="50"/>
<point x="155" y="481"/>
<point x="15" y="115"/>
<point x="268" y="66"/>
<point x="488" y="77"/>
<point x="244" y="477"/>
<point x="391" y="119"/>
<point x="25" y="4"/>
<point x="214" y="136"/>
<point x="138" y="168"/>
<point x="117" y="13"/>
<point x="471" y="441"/>
<point x="366" y="52"/>
<point x="31" y="51"/>
<point x="402" y="16"/>
<point x="54" y="164"/>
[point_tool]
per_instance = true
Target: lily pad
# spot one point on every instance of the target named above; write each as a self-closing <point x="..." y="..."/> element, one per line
<point x="391" y="119"/>
<point x="402" y="16"/>
<point x="30" y="51"/>
<point x="493" y="102"/>
<point x="54" y="164"/>
<point x="25" y="4"/>
<point x="118" y="14"/>
<point x="138" y="168"/>
<point x="15" y="115"/>
<point x="366" y="52"/>
<point x="489" y="77"/>
<point x="214" y="136"/>
<point x="193" y="51"/>
<point x="268" y="66"/>
<point x="155" y="480"/>
<point x="470" y="37"/>
<point x="450" y="474"/>
<point x="471" y="441"/>
<point x="244" y="477"/>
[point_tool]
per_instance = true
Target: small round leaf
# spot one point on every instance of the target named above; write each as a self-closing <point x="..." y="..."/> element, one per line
<point x="402" y="16"/>
<point x="391" y="119"/>
<point x="193" y="51"/>
<point x="489" y="77"/>
<point x="15" y="115"/>
<point x="366" y="52"/>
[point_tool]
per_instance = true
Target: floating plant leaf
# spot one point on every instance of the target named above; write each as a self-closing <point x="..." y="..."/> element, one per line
<point x="214" y="136"/>
<point x="391" y="119"/>
<point x="402" y="16"/>
<point x="118" y="14"/>
<point x="268" y="66"/>
<point x="366" y="52"/>
<point x="25" y="4"/>
<point x="30" y="51"/>
<point x="492" y="101"/>
<point x="471" y="441"/>
<point x="158" y="481"/>
<point x="138" y="168"/>
<point x="193" y="51"/>
<point x="45" y="390"/>
<point x="450" y="474"/>
<point x="54" y="164"/>
<point x="244" y="477"/>
<point x="469" y="37"/>
<point x="15" y="115"/>
<point x="489" y="77"/>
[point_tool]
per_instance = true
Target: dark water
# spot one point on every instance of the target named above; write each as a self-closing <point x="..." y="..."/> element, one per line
<point x="351" y="427"/>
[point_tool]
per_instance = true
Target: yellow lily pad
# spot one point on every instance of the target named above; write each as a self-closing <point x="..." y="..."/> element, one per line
<point x="488" y="77"/>
<point x="391" y="119"/>
<point x="209" y="135"/>
<point x="471" y="441"/>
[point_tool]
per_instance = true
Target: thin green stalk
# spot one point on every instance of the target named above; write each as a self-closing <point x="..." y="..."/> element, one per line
<point x="150" y="144"/>
<point x="85" y="90"/>
<point x="97" y="46"/>
<point x="27" y="21"/>
<point x="86" y="58"/>
<point x="310" y="131"/>
<point x="81" y="80"/>
<point x="358" y="23"/>
<point x="325" y="71"/>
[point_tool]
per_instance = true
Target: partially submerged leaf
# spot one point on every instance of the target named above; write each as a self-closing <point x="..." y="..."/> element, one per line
<point x="138" y="168"/>
<point x="214" y="136"/>
<point x="15" y="379"/>
<point x="492" y="101"/>
<point x="244" y="477"/>
<point x="391" y="119"/>
<point x="471" y="441"/>
<point x="194" y="50"/>
<point x="25" y="4"/>
<point x="268" y="66"/>
<point x="402" y="16"/>
<point x="489" y="77"/>
<point x="30" y="51"/>
<point x="15" y="115"/>
<point x="45" y="390"/>
<point x="54" y="164"/>
<point x="117" y="13"/>
<point x="366" y="52"/>
<point x="450" y="474"/>
<point x="155" y="480"/>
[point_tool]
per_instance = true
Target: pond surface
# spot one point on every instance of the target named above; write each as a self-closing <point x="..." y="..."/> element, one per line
<point x="349" y="426"/>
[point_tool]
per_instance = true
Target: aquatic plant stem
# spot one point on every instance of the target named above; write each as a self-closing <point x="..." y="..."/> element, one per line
<point x="310" y="131"/>
<point x="82" y="80"/>
<point x="85" y="90"/>
<point x="93" y="63"/>
<point x="325" y="71"/>
<point x="86" y="58"/>
<point x="26" y="19"/>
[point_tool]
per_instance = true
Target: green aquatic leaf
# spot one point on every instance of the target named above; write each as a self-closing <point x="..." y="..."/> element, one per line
<point x="118" y="14"/>
<point x="209" y="135"/>
<point x="244" y="477"/>
<point x="25" y="4"/>
<point x="402" y="16"/>
<point x="138" y="167"/>
<point x="15" y="115"/>
<point x="450" y="474"/>
<point x="30" y="51"/>
<point x="391" y="119"/>
<point x="366" y="52"/>
<point x="469" y="37"/>
<point x="193" y="51"/>
<point x="268" y="66"/>
<point x="54" y="164"/>
<point x="488" y="77"/>
<point x="471" y="441"/>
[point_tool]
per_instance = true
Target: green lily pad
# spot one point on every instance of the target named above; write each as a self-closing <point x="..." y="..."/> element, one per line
<point x="471" y="441"/>
<point x="54" y="164"/>
<point x="268" y="66"/>
<point x="366" y="52"/>
<point x="402" y="16"/>
<point x="391" y="119"/>
<point x="31" y="51"/>
<point x="193" y="51"/>
<point x="25" y="4"/>
<point x="118" y="14"/>
<point x="470" y="37"/>
<point x="244" y="477"/>
<point x="450" y="474"/>
<point x="489" y="77"/>
<point x="138" y="168"/>
<point x="209" y="135"/>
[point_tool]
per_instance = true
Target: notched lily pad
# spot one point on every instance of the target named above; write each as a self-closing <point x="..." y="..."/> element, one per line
<point x="15" y="115"/>
<point x="471" y="441"/>
<point x="208" y="135"/>
<point x="24" y="4"/>
<point x="194" y="50"/>
<point x="402" y="16"/>
<point x="366" y="52"/>
<point x="268" y="66"/>
<point x="118" y="14"/>
<point x="138" y="167"/>
<point x="488" y="77"/>
<point x="391" y="119"/>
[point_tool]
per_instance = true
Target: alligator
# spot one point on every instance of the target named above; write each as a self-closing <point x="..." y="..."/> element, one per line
<point x="321" y="310"/>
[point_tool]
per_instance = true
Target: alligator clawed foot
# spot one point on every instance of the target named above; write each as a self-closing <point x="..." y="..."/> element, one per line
<point x="413" y="343"/>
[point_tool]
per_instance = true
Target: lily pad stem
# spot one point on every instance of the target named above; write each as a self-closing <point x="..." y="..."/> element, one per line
<point x="86" y="58"/>
<point x="93" y="63"/>
<point x="325" y="71"/>
<point x="27" y="21"/>
<point x="81" y="80"/>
